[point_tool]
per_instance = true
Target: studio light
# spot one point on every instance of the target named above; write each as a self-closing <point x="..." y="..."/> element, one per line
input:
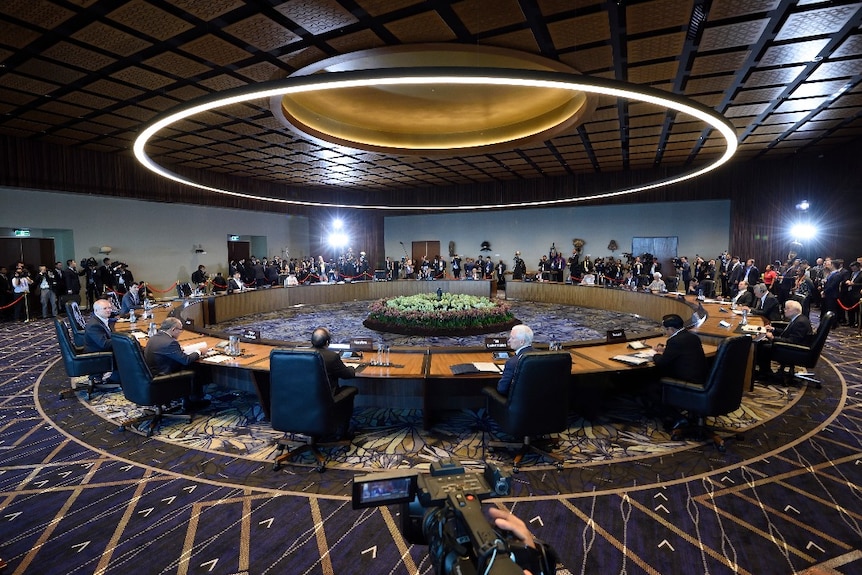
<point x="803" y="231"/>
<point x="803" y="206"/>
<point x="337" y="239"/>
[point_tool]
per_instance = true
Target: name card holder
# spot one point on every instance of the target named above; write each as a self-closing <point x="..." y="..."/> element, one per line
<point x="616" y="335"/>
<point x="251" y="334"/>
<point x="496" y="343"/>
<point x="361" y="344"/>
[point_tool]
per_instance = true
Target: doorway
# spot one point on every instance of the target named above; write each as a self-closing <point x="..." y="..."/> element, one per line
<point x="427" y="249"/>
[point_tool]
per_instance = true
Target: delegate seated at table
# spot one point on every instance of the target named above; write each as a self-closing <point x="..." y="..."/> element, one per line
<point x="164" y="355"/>
<point x="521" y="340"/>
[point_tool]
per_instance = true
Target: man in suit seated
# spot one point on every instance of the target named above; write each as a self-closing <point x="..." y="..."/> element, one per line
<point x="681" y="357"/>
<point x="97" y="334"/>
<point x="765" y="304"/>
<point x="164" y="355"/>
<point x="335" y="368"/>
<point x="798" y="331"/>
<point x="521" y="340"/>
<point x="744" y="297"/>
<point x="131" y="299"/>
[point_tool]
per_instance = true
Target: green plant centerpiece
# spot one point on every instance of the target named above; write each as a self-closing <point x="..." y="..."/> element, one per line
<point x="443" y="314"/>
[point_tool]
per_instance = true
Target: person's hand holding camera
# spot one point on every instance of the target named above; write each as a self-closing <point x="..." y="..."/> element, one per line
<point x="507" y="521"/>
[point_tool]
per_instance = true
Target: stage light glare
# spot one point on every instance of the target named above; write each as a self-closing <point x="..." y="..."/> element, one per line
<point x="803" y="206"/>
<point x="337" y="240"/>
<point x="337" y="224"/>
<point x="803" y="231"/>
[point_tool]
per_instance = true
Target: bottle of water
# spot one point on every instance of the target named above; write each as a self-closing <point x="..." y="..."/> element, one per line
<point x="744" y="317"/>
<point x="151" y="331"/>
<point x="700" y="294"/>
<point x="132" y="317"/>
<point x="379" y="354"/>
<point x="553" y="345"/>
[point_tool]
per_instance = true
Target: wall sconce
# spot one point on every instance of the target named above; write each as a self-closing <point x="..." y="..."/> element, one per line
<point x="199" y="249"/>
<point x="105" y="250"/>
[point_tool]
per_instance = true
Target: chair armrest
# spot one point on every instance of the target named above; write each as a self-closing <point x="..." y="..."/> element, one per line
<point x="96" y="355"/>
<point x="791" y="347"/>
<point x="779" y="326"/>
<point x="495" y="395"/>
<point x="345" y="392"/>
<point x="169" y="377"/>
<point x="680" y="383"/>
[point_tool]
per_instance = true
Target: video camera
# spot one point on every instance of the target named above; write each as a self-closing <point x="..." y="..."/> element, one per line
<point x="443" y="510"/>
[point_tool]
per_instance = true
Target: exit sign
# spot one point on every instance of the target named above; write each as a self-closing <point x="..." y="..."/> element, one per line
<point x="22" y="233"/>
<point x="234" y="239"/>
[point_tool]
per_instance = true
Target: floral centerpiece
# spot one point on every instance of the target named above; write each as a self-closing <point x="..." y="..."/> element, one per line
<point x="439" y="314"/>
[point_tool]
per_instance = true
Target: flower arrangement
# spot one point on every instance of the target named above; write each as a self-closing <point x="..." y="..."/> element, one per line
<point x="443" y="314"/>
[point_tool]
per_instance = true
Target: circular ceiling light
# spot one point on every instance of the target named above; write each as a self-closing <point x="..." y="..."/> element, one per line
<point x="425" y="119"/>
<point x="461" y="76"/>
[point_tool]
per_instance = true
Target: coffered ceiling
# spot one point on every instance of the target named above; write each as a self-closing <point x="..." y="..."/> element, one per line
<point x="90" y="74"/>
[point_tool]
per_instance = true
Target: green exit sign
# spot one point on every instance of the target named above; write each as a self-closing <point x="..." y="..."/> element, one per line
<point x="234" y="238"/>
<point x="22" y="233"/>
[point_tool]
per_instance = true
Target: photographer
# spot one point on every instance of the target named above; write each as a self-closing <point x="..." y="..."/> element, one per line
<point x="21" y="282"/>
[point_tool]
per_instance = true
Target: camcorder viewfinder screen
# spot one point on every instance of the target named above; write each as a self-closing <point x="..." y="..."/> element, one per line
<point x="383" y="491"/>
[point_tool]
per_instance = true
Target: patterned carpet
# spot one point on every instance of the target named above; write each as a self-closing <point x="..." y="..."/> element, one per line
<point x="234" y="423"/>
<point x="77" y="496"/>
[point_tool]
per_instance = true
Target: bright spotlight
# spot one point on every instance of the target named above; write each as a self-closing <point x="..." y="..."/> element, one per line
<point x="337" y="240"/>
<point x="803" y="231"/>
<point x="803" y="206"/>
<point x="337" y="224"/>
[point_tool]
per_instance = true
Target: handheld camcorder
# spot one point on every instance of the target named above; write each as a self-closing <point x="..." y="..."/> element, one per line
<point x="443" y="509"/>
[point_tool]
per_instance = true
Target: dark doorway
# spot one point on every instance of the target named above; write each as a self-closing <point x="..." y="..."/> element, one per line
<point x="238" y="251"/>
<point x="427" y="249"/>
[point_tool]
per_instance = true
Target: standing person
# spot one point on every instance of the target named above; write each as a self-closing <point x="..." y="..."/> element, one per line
<point x="335" y="368"/>
<point x="164" y="355"/>
<point x="520" y="340"/>
<point x="46" y="281"/>
<point x="21" y="282"/>
<point x="750" y="273"/>
<point x="200" y="277"/>
<point x="456" y="266"/>
<point x="94" y="283"/>
<point x="831" y="288"/>
<point x="5" y="293"/>
<point x="853" y="293"/>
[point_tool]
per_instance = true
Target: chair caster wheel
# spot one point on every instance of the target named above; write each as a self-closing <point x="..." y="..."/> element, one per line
<point x="559" y="467"/>
<point x="320" y="468"/>
<point x="721" y="448"/>
<point x="515" y="470"/>
<point x="276" y="466"/>
<point x="121" y="428"/>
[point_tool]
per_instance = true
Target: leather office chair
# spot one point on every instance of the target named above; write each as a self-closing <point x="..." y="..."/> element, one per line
<point x="141" y="387"/>
<point x="537" y="404"/>
<point x="78" y="364"/>
<point x="77" y="323"/>
<point x="302" y="403"/>
<point x="789" y="355"/>
<point x="719" y="395"/>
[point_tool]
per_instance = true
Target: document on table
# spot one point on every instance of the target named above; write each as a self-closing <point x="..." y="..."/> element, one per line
<point x="193" y="347"/>
<point x="475" y="367"/>
<point x="631" y="359"/>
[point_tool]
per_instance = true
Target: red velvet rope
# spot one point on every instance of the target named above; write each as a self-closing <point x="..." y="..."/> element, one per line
<point x="13" y="302"/>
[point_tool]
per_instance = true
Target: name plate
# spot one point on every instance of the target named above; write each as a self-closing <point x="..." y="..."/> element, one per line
<point x="251" y="334"/>
<point x="496" y="343"/>
<point x="189" y="322"/>
<point x="616" y="335"/>
<point x="361" y="344"/>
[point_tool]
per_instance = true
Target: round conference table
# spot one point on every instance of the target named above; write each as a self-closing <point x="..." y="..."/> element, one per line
<point x="421" y="377"/>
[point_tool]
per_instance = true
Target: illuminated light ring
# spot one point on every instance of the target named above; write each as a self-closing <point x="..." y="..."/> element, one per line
<point x="433" y="75"/>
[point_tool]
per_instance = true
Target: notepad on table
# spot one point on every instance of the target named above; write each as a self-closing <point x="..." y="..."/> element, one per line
<point x="631" y="359"/>
<point x="475" y="367"/>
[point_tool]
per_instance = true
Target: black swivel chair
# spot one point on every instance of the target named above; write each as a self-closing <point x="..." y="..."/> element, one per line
<point x="76" y="322"/>
<point x="719" y="395"/>
<point x="537" y="404"/>
<point x="302" y="403"/>
<point x="141" y="387"/>
<point x="789" y="355"/>
<point x="79" y="364"/>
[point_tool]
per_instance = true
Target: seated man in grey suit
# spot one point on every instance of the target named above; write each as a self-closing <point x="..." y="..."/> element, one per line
<point x="521" y="340"/>
<point x="165" y="355"/>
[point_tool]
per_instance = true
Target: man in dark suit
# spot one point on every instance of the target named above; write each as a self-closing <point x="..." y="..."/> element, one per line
<point x="744" y="297"/>
<point x="97" y="334"/>
<point x="765" y="304"/>
<point x="131" y="300"/>
<point x="798" y="331"/>
<point x="335" y="368"/>
<point x="164" y="355"/>
<point x="521" y="340"/>
<point x="682" y="357"/>
<point x="750" y="273"/>
<point x="852" y="293"/>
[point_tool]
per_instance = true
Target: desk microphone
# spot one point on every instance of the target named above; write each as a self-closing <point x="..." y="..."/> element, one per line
<point x="722" y="309"/>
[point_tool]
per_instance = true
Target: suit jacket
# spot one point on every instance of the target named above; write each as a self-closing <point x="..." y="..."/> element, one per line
<point x="832" y="285"/>
<point x="97" y="336"/>
<point x="753" y="275"/>
<point x="746" y="299"/>
<point x="683" y="358"/>
<point x="797" y="331"/>
<point x="129" y="303"/>
<point x="164" y="354"/>
<point x="771" y="309"/>
<point x="335" y="368"/>
<point x="509" y="370"/>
